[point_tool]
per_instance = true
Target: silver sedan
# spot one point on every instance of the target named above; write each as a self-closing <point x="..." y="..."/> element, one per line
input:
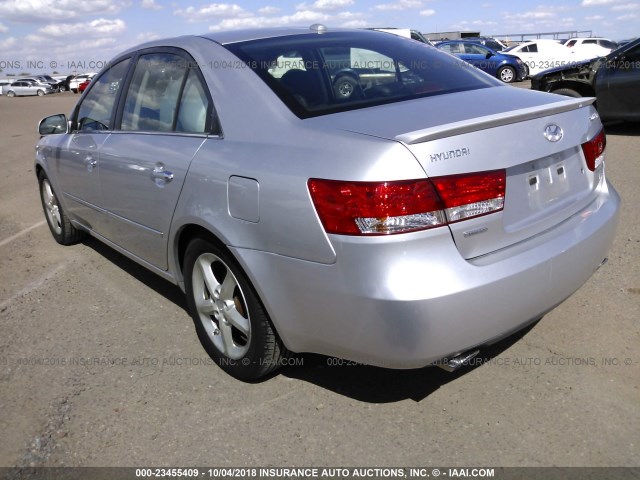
<point x="349" y="193"/>
<point x="24" y="88"/>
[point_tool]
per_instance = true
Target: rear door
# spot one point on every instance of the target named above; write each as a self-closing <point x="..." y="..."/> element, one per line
<point x="166" y="116"/>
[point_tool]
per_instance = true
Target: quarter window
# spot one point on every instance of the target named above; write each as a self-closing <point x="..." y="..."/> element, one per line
<point x="96" y="110"/>
<point x="194" y="105"/>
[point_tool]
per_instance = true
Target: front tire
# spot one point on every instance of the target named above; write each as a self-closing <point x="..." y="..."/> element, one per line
<point x="59" y="224"/>
<point x="230" y="320"/>
<point x="11" y="94"/>
<point x="344" y="87"/>
<point x="507" y="74"/>
<point x="40" y="93"/>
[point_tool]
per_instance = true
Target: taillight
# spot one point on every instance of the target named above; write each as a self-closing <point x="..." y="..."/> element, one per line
<point x="471" y="194"/>
<point x="381" y="208"/>
<point x="594" y="150"/>
<point x="376" y="208"/>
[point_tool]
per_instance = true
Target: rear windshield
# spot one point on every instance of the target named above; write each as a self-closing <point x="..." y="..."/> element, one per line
<point x="336" y="71"/>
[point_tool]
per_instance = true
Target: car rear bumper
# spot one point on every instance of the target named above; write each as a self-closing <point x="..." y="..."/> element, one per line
<point x="406" y="304"/>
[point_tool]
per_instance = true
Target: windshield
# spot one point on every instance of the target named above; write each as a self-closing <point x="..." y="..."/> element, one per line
<point x="336" y="71"/>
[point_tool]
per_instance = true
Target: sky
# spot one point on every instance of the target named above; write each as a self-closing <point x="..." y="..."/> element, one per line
<point x="65" y="36"/>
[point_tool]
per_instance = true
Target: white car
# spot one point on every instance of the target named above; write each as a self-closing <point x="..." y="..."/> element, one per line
<point x="3" y="83"/>
<point x="542" y="54"/>
<point x="75" y="82"/>
<point x="407" y="33"/>
<point x="591" y="47"/>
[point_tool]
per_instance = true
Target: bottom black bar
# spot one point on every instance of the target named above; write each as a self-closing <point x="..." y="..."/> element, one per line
<point x="330" y="473"/>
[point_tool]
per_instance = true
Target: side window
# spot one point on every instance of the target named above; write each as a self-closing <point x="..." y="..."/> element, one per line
<point x="95" y="111"/>
<point x="475" y="49"/>
<point x="533" y="48"/>
<point x="194" y="105"/>
<point x="590" y="42"/>
<point x="633" y="55"/>
<point x="291" y="60"/>
<point x="571" y="43"/>
<point x="631" y="59"/>
<point x="452" y="48"/>
<point x="152" y="99"/>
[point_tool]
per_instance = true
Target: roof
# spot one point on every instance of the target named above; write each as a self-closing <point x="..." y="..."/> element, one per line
<point x="234" y="36"/>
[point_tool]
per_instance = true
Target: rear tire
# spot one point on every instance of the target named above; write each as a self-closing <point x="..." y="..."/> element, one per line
<point x="230" y="320"/>
<point x="59" y="224"/>
<point x="11" y="94"/>
<point x="567" y="92"/>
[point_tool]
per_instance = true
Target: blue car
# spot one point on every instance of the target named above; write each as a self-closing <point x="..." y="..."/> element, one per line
<point x="507" y="68"/>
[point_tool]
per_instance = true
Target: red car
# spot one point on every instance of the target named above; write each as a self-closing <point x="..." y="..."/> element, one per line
<point x="84" y="85"/>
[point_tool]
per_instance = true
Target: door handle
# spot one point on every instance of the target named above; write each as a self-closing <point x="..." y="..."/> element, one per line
<point x="90" y="162"/>
<point x="160" y="174"/>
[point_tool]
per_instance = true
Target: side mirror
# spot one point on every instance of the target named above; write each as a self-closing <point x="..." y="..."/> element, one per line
<point x="489" y="55"/>
<point x="53" y="124"/>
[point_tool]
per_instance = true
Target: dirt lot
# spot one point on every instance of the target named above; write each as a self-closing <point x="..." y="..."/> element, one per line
<point x="100" y="364"/>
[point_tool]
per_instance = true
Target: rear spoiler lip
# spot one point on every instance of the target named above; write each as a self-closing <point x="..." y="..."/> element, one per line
<point x="491" y="121"/>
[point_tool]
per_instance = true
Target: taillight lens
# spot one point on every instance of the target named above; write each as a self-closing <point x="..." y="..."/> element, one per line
<point x="471" y="195"/>
<point x="382" y="208"/>
<point x="594" y="150"/>
<point x="376" y="208"/>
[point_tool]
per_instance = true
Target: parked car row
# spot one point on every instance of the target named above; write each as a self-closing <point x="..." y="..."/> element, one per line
<point x="536" y="55"/>
<point x="43" y="84"/>
<point x="507" y="68"/>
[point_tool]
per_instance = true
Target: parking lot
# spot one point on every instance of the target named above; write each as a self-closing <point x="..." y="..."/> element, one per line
<point x="100" y="364"/>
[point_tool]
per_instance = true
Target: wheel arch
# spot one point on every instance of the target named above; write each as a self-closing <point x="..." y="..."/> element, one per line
<point x="39" y="168"/>
<point x="582" y="88"/>
<point x="185" y="235"/>
<point x="346" y="72"/>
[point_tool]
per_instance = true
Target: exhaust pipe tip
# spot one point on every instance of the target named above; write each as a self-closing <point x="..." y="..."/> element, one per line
<point x="454" y="363"/>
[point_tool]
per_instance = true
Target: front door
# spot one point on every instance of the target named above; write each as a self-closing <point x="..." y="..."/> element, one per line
<point x="79" y="162"/>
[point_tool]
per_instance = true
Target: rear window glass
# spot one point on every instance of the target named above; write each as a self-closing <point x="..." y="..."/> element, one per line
<point x="336" y="71"/>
